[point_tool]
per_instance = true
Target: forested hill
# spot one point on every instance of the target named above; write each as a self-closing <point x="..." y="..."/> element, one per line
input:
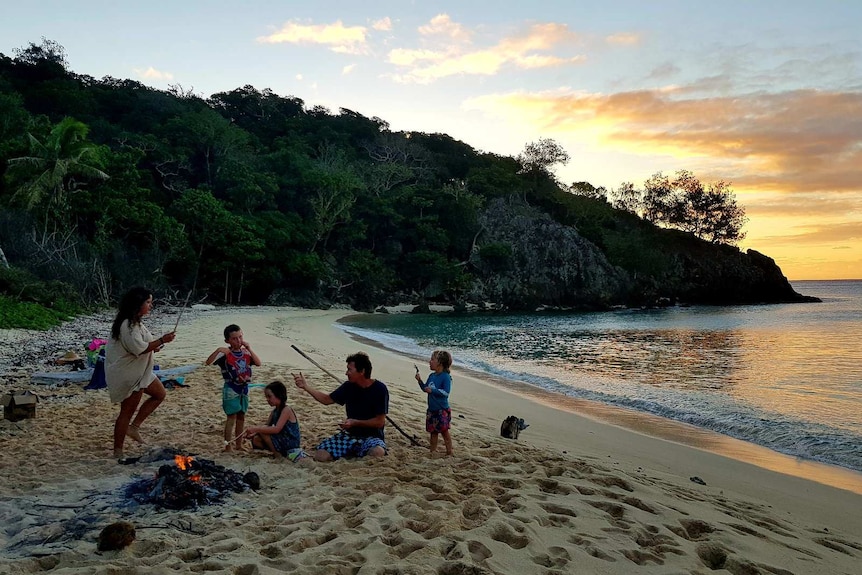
<point x="250" y="197"/>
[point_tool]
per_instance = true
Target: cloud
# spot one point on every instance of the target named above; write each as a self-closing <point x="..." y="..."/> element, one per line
<point x="153" y="74"/>
<point x="336" y="36"/>
<point x="348" y="69"/>
<point x="442" y="25"/>
<point x="623" y="39"/>
<point x="664" y="71"/>
<point x="407" y="57"/>
<point x="822" y="234"/>
<point x="799" y="140"/>
<point x="453" y="52"/>
<point x="803" y="205"/>
<point x="382" y="25"/>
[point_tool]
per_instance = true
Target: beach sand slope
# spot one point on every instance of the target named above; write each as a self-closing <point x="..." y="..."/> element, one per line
<point x="498" y="506"/>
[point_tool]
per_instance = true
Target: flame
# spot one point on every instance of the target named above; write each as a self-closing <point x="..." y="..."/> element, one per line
<point x="183" y="461"/>
<point x="195" y="477"/>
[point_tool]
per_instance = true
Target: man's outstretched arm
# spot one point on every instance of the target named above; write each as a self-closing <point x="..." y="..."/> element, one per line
<point x="320" y="396"/>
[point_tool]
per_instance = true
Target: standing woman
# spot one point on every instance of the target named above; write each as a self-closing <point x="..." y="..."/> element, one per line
<point x="129" y="366"/>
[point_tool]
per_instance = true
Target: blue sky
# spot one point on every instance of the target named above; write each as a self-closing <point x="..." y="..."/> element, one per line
<point x="764" y="94"/>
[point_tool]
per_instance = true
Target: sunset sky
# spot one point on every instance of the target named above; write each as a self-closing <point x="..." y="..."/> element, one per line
<point x="766" y="95"/>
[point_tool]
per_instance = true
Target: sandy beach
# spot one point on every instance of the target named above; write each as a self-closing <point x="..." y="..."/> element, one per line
<point x="574" y="494"/>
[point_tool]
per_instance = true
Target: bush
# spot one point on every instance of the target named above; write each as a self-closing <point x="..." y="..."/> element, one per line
<point x="26" y="315"/>
<point x="31" y="303"/>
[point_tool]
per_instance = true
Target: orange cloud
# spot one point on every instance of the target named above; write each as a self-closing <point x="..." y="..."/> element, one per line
<point x="801" y="140"/>
<point x="529" y="50"/>
<point x="337" y="36"/>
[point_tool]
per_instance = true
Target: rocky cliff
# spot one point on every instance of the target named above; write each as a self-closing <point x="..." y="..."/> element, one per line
<point x="524" y="259"/>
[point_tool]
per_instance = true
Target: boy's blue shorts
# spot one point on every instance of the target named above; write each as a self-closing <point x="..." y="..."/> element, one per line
<point x="233" y="402"/>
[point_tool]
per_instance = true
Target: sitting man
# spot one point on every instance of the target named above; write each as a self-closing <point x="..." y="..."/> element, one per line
<point x="367" y="403"/>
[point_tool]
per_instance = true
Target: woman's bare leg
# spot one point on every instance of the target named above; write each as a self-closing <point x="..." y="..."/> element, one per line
<point x="156" y="392"/>
<point x="121" y="425"/>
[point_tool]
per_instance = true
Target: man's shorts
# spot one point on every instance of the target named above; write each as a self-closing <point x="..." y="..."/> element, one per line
<point x="438" y="421"/>
<point x="233" y="402"/>
<point x="342" y="444"/>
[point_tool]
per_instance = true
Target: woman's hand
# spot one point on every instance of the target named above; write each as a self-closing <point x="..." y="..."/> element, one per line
<point x="169" y="337"/>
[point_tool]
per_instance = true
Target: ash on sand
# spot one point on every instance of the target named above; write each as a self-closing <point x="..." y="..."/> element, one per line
<point x="188" y="482"/>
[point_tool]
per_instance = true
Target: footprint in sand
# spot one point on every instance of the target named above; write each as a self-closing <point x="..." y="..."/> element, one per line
<point x="505" y="534"/>
<point x="553" y="486"/>
<point x="611" y="481"/>
<point x="556" y="558"/>
<point x="590" y="548"/>
<point x="612" y="509"/>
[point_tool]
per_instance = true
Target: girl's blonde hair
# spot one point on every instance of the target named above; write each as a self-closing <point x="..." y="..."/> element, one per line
<point x="444" y="358"/>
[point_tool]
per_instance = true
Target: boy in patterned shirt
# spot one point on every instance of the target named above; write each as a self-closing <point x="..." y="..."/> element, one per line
<point x="235" y="362"/>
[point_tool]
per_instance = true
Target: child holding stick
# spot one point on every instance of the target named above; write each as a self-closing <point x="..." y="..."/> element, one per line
<point x="438" y="418"/>
<point x="281" y="434"/>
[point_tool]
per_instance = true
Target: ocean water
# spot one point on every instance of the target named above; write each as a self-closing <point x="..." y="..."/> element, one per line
<point x="787" y="377"/>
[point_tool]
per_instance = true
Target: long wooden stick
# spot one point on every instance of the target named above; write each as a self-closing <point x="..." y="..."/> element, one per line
<point x="330" y="374"/>
<point x="188" y="297"/>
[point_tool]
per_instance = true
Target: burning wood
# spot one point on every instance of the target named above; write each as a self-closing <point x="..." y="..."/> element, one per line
<point x="187" y="483"/>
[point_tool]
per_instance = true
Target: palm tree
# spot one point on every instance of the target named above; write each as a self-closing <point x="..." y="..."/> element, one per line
<point x="55" y="163"/>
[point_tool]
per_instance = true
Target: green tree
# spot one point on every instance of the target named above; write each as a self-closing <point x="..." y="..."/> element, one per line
<point x="588" y="190"/>
<point x="223" y="241"/>
<point x="536" y="162"/>
<point x="57" y="166"/>
<point x="335" y="183"/>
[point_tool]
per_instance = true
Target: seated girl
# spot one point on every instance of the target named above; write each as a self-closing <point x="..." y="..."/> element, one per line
<point x="281" y="433"/>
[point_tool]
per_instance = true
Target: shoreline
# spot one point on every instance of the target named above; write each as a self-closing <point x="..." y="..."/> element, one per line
<point x="658" y="427"/>
<point x="571" y="493"/>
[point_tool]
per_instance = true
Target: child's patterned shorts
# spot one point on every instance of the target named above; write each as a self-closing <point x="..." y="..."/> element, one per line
<point x="342" y="444"/>
<point x="438" y="421"/>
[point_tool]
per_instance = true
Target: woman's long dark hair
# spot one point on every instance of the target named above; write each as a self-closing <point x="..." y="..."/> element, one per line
<point x="130" y="305"/>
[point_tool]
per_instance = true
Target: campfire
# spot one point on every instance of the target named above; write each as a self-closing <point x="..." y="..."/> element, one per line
<point x="189" y="482"/>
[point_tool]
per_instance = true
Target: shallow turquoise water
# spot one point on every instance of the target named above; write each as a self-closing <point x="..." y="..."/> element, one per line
<point x="788" y="377"/>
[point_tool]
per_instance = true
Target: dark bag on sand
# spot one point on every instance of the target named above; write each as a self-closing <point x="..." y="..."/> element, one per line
<point x="510" y="428"/>
<point x="97" y="380"/>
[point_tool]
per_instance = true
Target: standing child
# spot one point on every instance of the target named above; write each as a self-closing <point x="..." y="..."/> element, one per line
<point x="438" y="418"/>
<point x="235" y="362"/>
<point x="280" y="435"/>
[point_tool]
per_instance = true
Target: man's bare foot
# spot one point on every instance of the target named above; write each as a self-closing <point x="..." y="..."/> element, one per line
<point x="135" y="434"/>
<point x="228" y="447"/>
<point x="118" y="454"/>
